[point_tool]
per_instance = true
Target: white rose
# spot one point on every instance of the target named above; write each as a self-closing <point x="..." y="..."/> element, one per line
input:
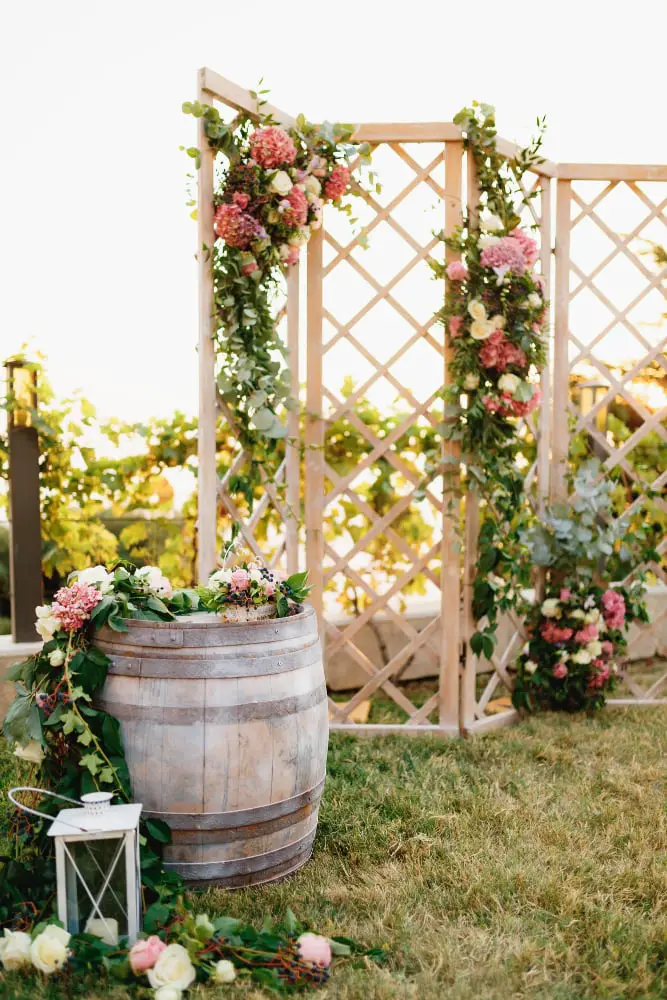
<point x="173" y="968"/>
<point x="301" y="236"/>
<point x="582" y="656"/>
<point x="256" y="575"/>
<point x="477" y="309"/>
<point x="284" y="250"/>
<point x="155" y="581"/>
<point x="593" y="617"/>
<point x="594" y="648"/>
<point x="56" y="658"/>
<point x="96" y="576"/>
<point x="49" y="949"/>
<point x="219" y="578"/>
<point x="312" y="185"/>
<point x="273" y="215"/>
<point x="486" y="240"/>
<point x="471" y="381"/>
<point x="496" y="582"/>
<point x="490" y="222"/>
<point x="534" y="300"/>
<point x="47" y="624"/>
<point x="578" y="613"/>
<point x="480" y="329"/>
<point x="530" y="666"/>
<point x="225" y="972"/>
<point x="498" y="322"/>
<point x="15" y="950"/>
<point x="509" y="383"/>
<point x="551" y="608"/>
<point x="168" y="993"/>
<point x="281" y="184"/>
<point x="31" y="752"/>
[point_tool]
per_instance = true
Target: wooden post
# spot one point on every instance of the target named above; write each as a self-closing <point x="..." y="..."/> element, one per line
<point x="450" y="575"/>
<point x="207" y="500"/>
<point x="292" y="456"/>
<point x="314" y="429"/>
<point x="468" y="688"/>
<point x="559" y="423"/>
<point x="543" y="463"/>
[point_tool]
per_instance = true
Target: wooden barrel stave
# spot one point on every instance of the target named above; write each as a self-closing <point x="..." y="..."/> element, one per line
<point x="225" y="730"/>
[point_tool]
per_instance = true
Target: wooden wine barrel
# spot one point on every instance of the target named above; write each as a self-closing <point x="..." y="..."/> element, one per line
<point x="225" y="730"/>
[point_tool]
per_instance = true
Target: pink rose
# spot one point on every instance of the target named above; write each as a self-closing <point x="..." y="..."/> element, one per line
<point x="249" y="267"/>
<point x="455" y="327"/>
<point x="588" y="633"/>
<point x="607" y="648"/>
<point x="240" y="579"/>
<point x="144" y="954"/>
<point x="560" y="671"/>
<point x="456" y="271"/>
<point x="241" y="199"/>
<point x="314" y="949"/>
<point x="565" y="594"/>
<point x="269" y="588"/>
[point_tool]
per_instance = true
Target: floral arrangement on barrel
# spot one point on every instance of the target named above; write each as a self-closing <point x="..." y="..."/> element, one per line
<point x="192" y="948"/>
<point x="273" y="185"/>
<point x="248" y="592"/>
<point x="578" y="633"/>
<point x="495" y="317"/>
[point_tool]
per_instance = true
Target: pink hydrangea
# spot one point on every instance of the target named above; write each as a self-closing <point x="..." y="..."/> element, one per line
<point x="295" y="208"/>
<point x="529" y="247"/>
<point x="234" y="226"/>
<point x="565" y="594"/>
<point x="498" y="352"/>
<point x="457" y="271"/>
<point x="505" y="255"/>
<point x="455" y="327"/>
<point x="240" y="580"/>
<point x="559" y="671"/>
<point x="272" y="147"/>
<point x="73" y="605"/>
<point x="553" y="633"/>
<point x="337" y="182"/>
<point x="613" y="609"/>
<point x="588" y="633"/>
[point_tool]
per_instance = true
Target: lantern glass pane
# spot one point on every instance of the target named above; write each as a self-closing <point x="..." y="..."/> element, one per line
<point x="94" y="861"/>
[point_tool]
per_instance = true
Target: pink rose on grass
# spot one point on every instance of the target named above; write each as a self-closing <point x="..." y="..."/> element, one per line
<point x="613" y="609"/>
<point x="314" y="949"/>
<point x="560" y="671"/>
<point x="240" y="580"/>
<point x="457" y="271"/>
<point x="272" y="147"/>
<point x="565" y="594"/>
<point x="145" y="953"/>
<point x="455" y="327"/>
<point x="337" y="182"/>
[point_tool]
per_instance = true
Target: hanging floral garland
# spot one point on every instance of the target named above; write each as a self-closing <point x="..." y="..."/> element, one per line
<point x="272" y="184"/>
<point x="495" y="314"/>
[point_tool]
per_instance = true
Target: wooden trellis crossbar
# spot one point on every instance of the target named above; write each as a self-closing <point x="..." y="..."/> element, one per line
<point x="466" y="686"/>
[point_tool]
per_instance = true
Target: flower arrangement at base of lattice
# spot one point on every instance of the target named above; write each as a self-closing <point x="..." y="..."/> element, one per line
<point x="578" y="632"/>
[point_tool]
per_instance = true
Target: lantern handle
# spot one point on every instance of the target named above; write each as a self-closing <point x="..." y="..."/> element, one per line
<point x="35" y="812"/>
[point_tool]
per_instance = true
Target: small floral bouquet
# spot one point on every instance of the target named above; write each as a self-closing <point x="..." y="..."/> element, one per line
<point x="575" y="641"/>
<point x="249" y="592"/>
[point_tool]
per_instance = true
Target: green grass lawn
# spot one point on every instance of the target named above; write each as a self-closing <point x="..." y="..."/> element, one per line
<point x="527" y="863"/>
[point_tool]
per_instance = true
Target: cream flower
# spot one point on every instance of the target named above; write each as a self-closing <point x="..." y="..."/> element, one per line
<point x="471" y="381"/>
<point x="535" y="300"/>
<point x="490" y="222"/>
<point x="551" y="608"/>
<point x="578" y="613"/>
<point x="477" y="309"/>
<point x="167" y="993"/>
<point x="509" y="383"/>
<point x="530" y="666"/>
<point x="480" y="329"/>
<point x="224" y="972"/>
<point x="96" y="576"/>
<point x="32" y="752"/>
<point x="56" y="658"/>
<point x="486" y="240"/>
<point x="173" y="968"/>
<point x="219" y="578"/>
<point x="594" y="648"/>
<point x="582" y="656"/>
<point x="496" y="582"/>
<point x="498" y="322"/>
<point x="14" y="950"/>
<point x="312" y="185"/>
<point x="301" y="236"/>
<point x="49" y="949"/>
<point x="155" y="581"/>
<point x="281" y="183"/>
<point x="593" y="617"/>
<point x="47" y="624"/>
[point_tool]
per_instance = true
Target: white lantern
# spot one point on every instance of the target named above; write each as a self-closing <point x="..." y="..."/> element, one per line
<point x="97" y="867"/>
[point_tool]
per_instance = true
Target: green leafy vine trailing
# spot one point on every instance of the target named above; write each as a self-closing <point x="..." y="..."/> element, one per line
<point x="271" y="186"/>
<point x="495" y="314"/>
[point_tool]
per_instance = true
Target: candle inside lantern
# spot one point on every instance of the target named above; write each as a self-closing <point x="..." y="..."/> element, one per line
<point x="106" y="928"/>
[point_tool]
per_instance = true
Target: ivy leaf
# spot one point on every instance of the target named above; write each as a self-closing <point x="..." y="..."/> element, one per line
<point x="85" y="737"/>
<point x="78" y="692"/>
<point x="93" y="762"/>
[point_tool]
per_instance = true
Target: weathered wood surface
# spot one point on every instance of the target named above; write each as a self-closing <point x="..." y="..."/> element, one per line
<point x="225" y="730"/>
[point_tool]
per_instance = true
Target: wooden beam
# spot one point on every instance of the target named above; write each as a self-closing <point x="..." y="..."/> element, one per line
<point x="560" y="435"/>
<point x="314" y="430"/>
<point x="375" y="729"/>
<point x="207" y="482"/>
<point x="612" y="171"/>
<point x="407" y="132"/>
<point x="292" y="455"/>
<point x="219" y="88"/>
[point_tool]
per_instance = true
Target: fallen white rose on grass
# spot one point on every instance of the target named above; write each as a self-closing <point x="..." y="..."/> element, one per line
<point x="32" y="752"/>
<point x="173" y="968"/>
<point x="225" y="972"/>
<point x="15" y="950"/>
<point x="167" y="993"/>
<point x="49" y="951"/>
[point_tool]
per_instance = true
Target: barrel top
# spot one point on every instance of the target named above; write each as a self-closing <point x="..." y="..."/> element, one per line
<point x="205" y="619"/>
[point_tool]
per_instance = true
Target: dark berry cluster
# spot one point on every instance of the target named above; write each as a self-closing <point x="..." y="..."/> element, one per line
<point x="48" y="702"/>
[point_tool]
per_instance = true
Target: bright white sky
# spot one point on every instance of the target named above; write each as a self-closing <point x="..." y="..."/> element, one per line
<point x="97" y="247"/>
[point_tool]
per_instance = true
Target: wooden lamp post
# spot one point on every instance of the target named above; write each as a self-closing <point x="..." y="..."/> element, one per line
<point x="25" y="559"/>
